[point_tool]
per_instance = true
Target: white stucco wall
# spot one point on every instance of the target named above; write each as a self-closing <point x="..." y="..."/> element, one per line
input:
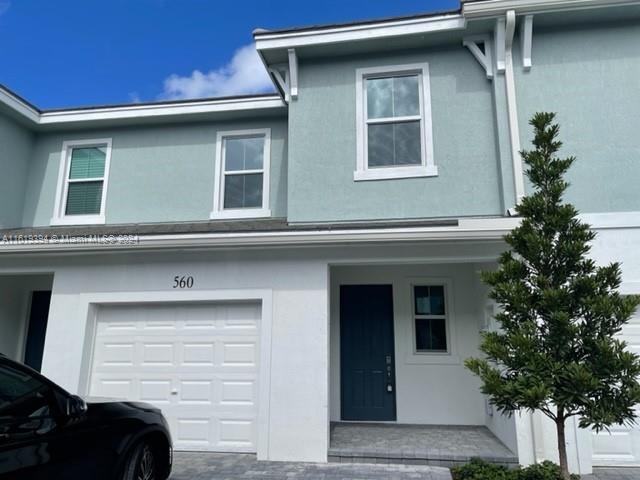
<point x="436" y="393"/>
<point x="502" y="426"/>
<point x="298" y="374"/>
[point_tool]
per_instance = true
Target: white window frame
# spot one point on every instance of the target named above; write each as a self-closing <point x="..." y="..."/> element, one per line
<point x="427" y="168"/>
<point x="59" y="216"/>
<point x="416" y="357"/>
<point x="218" y="194"/>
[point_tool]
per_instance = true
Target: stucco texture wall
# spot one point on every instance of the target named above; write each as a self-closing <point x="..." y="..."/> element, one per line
<point x="589" y="76"/>
<point x="16" y="143"/>
<point x="322" y="139"/>
<point x="157" y="174"/>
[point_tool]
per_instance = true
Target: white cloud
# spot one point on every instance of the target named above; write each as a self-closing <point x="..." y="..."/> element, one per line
<point x="134" y="97"/>
<point x="244" y="74"/>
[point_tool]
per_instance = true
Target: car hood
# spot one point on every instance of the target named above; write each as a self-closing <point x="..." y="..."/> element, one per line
<point x="90" y="399"/>
<point x="120" y="401"/>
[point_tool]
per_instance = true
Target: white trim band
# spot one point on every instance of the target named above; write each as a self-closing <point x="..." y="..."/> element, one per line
<point x="349" y="33"/>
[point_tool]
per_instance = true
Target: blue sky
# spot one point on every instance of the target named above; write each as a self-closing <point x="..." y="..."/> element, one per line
<point x="59" y="53"/>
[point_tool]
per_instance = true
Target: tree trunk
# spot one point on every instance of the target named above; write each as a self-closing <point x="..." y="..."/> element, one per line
<point x="562" y="445"/>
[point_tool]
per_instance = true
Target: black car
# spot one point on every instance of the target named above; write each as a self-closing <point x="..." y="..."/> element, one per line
<point x="46" y="432"/>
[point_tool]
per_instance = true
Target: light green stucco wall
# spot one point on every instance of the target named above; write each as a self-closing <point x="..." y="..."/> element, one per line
<point x="322" y="144"/>
<point x="590" y="77"/>
<point x="16" y="143"/>
<point x="157" y="174"/>
<point x="588" y="74"/>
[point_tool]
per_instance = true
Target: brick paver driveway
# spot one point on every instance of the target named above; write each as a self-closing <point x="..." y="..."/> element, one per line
<point x="217" y="466"/>
<point x="212" y="466"/>
<point x="614" y="474"/>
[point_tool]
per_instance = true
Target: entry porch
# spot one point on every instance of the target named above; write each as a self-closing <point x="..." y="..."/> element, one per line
<point x="436" y="445"/>
<point x="400" y="392"/>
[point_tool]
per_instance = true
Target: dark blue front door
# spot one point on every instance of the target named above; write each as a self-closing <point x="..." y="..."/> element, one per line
<point x="367" y="374"/>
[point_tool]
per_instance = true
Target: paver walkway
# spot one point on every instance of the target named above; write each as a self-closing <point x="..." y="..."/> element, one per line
<point x="218" y="466"/>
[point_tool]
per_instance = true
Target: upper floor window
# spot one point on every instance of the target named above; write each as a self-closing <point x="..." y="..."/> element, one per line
<point x="394" y="123"/>
<point x="82" y="182"/>
<point x="242" y="174"/>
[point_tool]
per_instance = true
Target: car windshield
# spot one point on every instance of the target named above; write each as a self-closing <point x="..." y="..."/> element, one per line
<point x="21" y="395"/>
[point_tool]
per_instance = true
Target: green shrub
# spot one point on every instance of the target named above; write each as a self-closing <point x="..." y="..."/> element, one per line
<point x="541" y="471"/>
<point x="480" y="470"/>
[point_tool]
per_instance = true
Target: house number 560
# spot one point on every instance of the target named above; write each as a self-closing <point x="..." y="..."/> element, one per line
<point x="182" y="281"/>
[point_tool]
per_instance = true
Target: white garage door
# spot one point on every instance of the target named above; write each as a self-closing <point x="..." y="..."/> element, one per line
<point x="197" y="362"/>
<point x="622" y="445"/>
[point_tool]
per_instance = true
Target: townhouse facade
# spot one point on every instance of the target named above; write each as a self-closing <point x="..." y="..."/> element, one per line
<point x="263" y="266"/>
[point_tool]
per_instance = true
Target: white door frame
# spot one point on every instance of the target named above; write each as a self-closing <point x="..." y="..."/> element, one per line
<point x="89" y="303"/>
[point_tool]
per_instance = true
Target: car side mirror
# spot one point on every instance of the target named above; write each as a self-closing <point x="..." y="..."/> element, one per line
<point x="75" y="406"/>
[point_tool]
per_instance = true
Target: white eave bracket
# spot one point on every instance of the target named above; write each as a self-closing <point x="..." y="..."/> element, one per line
<point x="480" y="48"/>
<point x="499" y="36"/>
<point x="526" y="42"/>
<point x="286" y="76"/>
<point x="293" y="73"/>
<point x="280" y="74"/>
<point x="526" y="39"/>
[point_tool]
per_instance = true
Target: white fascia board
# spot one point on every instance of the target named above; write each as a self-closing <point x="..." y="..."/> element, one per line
<point x="350" y="33"/>
<point x="19" y="106"/>
<point x="492" y="8"/>
<point x="122" y="112"/>
<point x="160" y="110"/>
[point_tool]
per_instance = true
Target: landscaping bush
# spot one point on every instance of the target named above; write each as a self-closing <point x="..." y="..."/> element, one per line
<point x="480" y="470"/>
<point x="541" y="471"/>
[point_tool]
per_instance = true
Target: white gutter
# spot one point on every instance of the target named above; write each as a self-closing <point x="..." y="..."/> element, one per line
<point x="266" y="40"/>
<point x="493" y="8"/>
<point x="160" y="110"/>
<point x="512" y="107"/>
<point x="152" y="110"/>
<point x="480" y="229"/>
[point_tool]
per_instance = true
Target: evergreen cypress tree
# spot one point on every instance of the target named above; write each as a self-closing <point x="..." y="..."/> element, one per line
<point x="556" y="351"/>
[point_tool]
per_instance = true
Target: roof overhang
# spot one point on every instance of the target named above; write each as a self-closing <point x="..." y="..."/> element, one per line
<point x="492" y="8"/>
<point x="416" y="31"/>
<point x="170" y="111"/>
<point x="487" y="229"/>
<point x="490" y="229"/>
<point x="266" y="40"/>
<point x="410" y="32"/>
<point x="18" y="107"/>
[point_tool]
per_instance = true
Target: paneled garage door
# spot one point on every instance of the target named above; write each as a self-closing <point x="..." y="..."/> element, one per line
<point x="622" y="445"/>
<point x="197" y="362"/>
